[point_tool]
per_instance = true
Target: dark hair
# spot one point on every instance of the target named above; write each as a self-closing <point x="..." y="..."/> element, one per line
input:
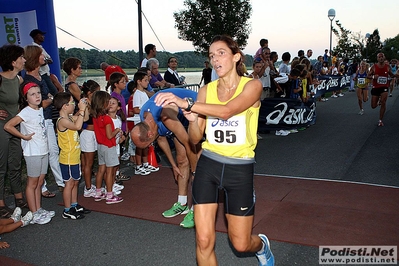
<point x="305" y="61"/>
<point x="60" y="99"/>
<point x="286" y="56"/>
<point x="301" y="53"/>
<point x="89" y="86"/>
<point x="273" y="54"/>
<point x="300" y="67"/>
<point x="170" y="58"/>
<point x="71" y="63"/>
<point x="295" y="72"/>
<point x="8" y="54"/>
<point x="99" y="101"/>
<point x="143" y="69"/>
<point x="138" y="76"/>
<point x="233" y="46"/>
<point x="148" y="48"/>
<point x="262" y="42"/>
<point x="23" y="101"/>
<point x="120" y="113"/>
<point x="32" y="55"/>
<point x="115" y="78"/>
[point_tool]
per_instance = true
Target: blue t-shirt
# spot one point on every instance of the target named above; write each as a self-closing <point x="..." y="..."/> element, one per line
<point x="155" y="110"/>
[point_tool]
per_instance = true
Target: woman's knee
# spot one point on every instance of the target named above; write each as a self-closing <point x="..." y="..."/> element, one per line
<point x="205" y="241"/>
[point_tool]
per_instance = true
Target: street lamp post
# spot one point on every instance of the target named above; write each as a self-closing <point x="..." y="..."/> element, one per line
<point x="331" y="16"/>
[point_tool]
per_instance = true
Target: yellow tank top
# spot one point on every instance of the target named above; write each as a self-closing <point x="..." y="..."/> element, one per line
<point x="69" y="143"/>
<point x="235" y="137"/>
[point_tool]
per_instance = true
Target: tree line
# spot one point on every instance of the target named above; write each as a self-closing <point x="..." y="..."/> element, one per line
<point x="91" y="59"/>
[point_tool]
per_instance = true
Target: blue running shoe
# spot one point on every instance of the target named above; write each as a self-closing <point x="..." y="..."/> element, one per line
<point x="265" y="258"/>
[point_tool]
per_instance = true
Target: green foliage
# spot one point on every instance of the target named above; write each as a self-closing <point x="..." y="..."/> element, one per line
<point x="203" y="19"/>
<point x="391" y="48"/>
<point x="359" y="46"/>
<point x="91" y="59"/>
<point x="346" y="47"/>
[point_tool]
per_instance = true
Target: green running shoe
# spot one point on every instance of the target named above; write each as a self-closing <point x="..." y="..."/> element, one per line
<point x="176" y="209"/>
<point x="188" y="221"/>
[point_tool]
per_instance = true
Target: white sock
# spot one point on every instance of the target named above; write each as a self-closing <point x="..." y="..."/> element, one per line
<point x="182" y="200"/>
<point x="117" y="172"/>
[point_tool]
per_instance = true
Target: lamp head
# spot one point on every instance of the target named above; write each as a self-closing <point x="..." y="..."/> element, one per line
<point x="331" y="14"/>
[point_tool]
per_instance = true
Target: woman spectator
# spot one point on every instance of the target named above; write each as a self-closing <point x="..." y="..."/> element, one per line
<point x="12" y="62"/>
<point x="171" y="74"/>
<point x="72" y="66"/>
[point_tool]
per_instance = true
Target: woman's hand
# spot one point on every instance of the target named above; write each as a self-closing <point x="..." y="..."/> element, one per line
<point x="165" y="98"/>
<point x="29" y="136"/>
<point x="3" y="114"/>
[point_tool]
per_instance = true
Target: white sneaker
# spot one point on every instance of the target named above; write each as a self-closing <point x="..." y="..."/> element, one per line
<point x="40" y="218"/>
<point x="117" y="187"/>
<point x="87" y="193"/>
<point x="140" y="170"/>
<point x="125" y="156"/>
<point x="27" y="219"/>
<point x="151" y="168"/>
<point x="114" y="190"/>
<point x="16" y="215"/>
<point x="50" y="214"/>
<point x="361" y="112"/>
<point x="334" y="96"/>
<point x="341" y="94"/>
<point x="282" y="133"/>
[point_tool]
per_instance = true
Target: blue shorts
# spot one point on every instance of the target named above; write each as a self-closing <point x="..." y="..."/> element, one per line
<point x="70" y="171"/>
<point x="236" y="179"/>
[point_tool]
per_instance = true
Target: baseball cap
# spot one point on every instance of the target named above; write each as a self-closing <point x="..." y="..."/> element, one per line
<point x="35" y="32"/>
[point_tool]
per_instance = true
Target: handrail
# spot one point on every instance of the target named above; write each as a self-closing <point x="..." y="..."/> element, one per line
<point x="193" y="87"/>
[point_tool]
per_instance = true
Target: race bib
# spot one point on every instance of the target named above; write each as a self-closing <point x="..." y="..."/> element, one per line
<point x="226" y="132"/>
<point x="382" y="80"/>
<point x="361" y="81"/>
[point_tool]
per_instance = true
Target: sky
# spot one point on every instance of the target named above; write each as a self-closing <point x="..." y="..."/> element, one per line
<point x="289" y="25"/>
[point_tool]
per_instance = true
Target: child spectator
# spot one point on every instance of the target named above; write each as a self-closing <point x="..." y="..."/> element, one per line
<point x="68" y="140"/>
<point x="264" y="43"/>
<point x="106" y="151"/>
<point x="114" y="109"/>
<point x="88" y="143"/>
<point x="34" y="145"/>
<point x="140" y="97"/>
<point x="118" y="83"/>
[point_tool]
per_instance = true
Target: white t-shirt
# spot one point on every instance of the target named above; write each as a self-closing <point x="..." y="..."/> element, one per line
<point x="266" y="78"/>
<point x="144" y="62"/>
<point x="34" y="122"/>
<point x="139" y="99"/>
<point x="117" y="124"/>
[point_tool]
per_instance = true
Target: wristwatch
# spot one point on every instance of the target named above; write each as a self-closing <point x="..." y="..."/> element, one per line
<point x="190" y="102"/>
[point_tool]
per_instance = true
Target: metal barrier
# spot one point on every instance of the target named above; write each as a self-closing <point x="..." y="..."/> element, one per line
<point x="193" y="87"/>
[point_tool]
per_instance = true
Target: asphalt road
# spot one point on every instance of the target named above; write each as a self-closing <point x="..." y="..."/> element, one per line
<point x="341" y="146"/>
